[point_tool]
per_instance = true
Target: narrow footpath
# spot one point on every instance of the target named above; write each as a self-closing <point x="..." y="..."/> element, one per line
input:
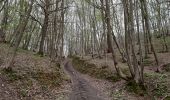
<point x="81" y="89"/>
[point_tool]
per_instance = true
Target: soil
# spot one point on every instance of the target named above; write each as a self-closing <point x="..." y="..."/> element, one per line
<point x="6" y="93"/>
<point x="81" y="88"/>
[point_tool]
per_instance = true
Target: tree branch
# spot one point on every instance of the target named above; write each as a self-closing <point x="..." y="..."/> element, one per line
<point x="34" y="19"/>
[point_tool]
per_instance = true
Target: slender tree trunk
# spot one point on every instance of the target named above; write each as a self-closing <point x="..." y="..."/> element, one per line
<point x="110" y="41"/>
<point x="44" y="27"/>
<point x="147" y="27"/>
<point x="20" y="31"/>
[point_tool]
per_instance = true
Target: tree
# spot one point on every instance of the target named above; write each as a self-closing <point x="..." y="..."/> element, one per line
<point x="20" y="31"/>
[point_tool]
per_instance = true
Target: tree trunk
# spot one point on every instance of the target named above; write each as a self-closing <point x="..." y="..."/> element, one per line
<point x="20" y="31"/>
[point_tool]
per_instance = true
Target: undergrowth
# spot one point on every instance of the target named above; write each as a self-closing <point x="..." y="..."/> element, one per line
<point x="119" y="94"/>
<point x="157" y="84"/>
<point x="133" y="87"/>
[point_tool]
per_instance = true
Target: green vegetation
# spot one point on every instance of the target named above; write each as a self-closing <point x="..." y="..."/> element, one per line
<point x="133" y="87"/>
<point x="126" y="71"/>
<point x="119" y="95"/>
<point x="92" y="70"/>
<point x="147" y="62"/>
<point x="157" y="84"/>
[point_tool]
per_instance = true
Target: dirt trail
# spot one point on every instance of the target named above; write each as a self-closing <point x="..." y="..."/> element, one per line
<point x="81" y="89"/>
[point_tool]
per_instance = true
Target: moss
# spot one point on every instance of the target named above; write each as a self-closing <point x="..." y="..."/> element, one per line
<point x="92" y="70"/>
<point x="126" y="71"/>
<point x="136" y="88"/>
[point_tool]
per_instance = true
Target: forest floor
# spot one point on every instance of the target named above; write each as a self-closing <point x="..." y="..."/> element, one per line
<point x="32" y="78"/>
<point x="157" y="84"/>
<point x="38" y="78"/>
<point x="6" y="92"/>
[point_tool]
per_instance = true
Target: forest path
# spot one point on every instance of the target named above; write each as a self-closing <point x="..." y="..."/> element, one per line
<point x="81" y="89"/>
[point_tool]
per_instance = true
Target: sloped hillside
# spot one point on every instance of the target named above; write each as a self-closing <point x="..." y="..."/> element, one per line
<point x="33" y="77"/>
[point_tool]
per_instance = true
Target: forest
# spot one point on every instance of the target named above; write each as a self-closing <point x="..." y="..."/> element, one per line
<point x="84" y="49"/>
